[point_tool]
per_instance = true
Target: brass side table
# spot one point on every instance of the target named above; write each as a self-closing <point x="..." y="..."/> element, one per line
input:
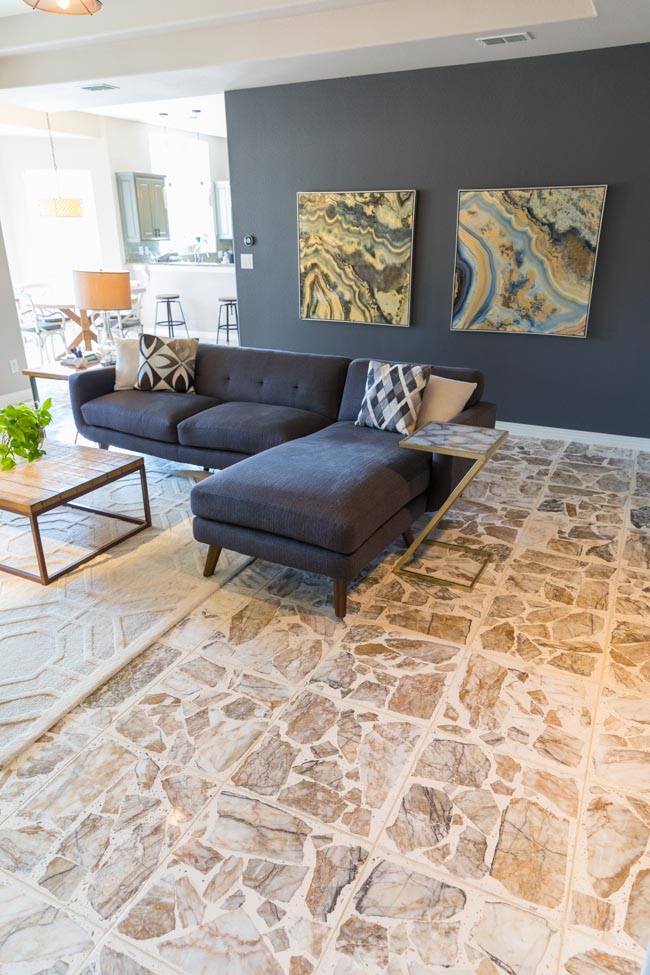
<point x="456" y="440"/>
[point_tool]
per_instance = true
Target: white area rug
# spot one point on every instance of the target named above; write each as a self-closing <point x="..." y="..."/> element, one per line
<point x="58" y="643"/>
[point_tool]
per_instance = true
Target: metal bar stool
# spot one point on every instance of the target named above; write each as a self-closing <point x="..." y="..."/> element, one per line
<point x="229" y="306"/>
<point x="169" y="320"/>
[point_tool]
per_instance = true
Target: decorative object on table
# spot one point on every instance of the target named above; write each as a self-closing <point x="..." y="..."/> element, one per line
<point x="356" y="255"/>
<point x="103" y="292"/>
<point x="58" y="206"/>
<point x="393" y="396"/>
<point x="525" y="259"/>
<point x="454" y="440"/>
<point x="22" y="433"/>
<point x="127" y="360"/>
<point x="73" y="8"/>
<point x="167" y="365"/>
<point x="443" y="399"/>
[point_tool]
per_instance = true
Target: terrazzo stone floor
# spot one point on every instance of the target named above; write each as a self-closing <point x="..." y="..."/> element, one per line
<point x="445" y="782"/>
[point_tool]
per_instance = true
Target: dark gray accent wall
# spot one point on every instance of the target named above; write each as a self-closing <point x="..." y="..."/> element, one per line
<point x="568" y="119"/>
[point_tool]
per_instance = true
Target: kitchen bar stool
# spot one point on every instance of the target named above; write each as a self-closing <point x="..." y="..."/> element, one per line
<point x="229" y="306"/>
<point x="169" y="321"/>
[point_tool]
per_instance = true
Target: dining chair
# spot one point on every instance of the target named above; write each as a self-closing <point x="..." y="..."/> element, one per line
<point x="45" y="324"/>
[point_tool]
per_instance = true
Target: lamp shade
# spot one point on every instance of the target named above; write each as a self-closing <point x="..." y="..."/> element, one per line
<point x="102" y="290"/>
<point x="73" y="8"/>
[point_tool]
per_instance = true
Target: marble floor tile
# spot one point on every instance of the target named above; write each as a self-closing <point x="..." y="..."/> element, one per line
<point x="95" y="833"/>
<point x="611" y="887"/>
<point x="642" y="482"/>
<point x="539" y="717"/>
<point x="633" y="593"/>
<point x="274" y="639"/>
<point x="640" y="512"/>
<point x="481" y="816"/>
<point x="399" y="674"/>
<point x="524" y="447"/>
<point x="490" y="487"/>
<point x="591" y="477"/>
<point x="636" y="550"/>
<point x="628" y="667"/>
<point x="26" y="774"/>
<point x="115" y="956"/>
<point x="37" y="937"/>
<point x="202" y="716"/>
<point x="599" y="509"/>
<point x="586" y="954"/>
<point x="252" y="890"/>
<point x="583" y="453"/>
<point x="553" y="533"/>
<point x="558" y="579"/>
<point x="333" y="760"/>
<point x="643" y="461"/>
<point x="406" y="920"/>
<point x="621" y="752"/>
<point x="534" y="631"/>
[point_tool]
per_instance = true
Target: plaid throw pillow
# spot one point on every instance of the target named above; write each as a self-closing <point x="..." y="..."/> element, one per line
<point x="166" y="365"/>
<point x="393" y="396"/>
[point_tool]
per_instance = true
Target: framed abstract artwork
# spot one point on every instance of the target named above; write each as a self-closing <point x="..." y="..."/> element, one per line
<point x="525" y="259"/>
<point x="356" y="255"/>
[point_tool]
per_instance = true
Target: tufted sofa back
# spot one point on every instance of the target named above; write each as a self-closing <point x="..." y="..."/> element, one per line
<point x="300" y="380"/>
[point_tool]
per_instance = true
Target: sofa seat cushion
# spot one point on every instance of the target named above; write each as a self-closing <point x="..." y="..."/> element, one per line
<point x="333" y="489"/>
<point x="144" y="414"/>
<point x="248" y="427"/>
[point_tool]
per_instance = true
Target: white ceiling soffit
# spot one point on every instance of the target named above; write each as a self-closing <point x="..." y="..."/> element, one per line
<point x="175" y="113"/>
<point x="284" y="41"/>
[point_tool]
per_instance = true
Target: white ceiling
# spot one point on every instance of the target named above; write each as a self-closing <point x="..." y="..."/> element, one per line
<point x="179" y="113"/>
<point x="159" y="50"/>
<point x="9" y="8"/>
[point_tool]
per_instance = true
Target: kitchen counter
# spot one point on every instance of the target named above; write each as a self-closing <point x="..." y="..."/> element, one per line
<point x="199" y="285"/>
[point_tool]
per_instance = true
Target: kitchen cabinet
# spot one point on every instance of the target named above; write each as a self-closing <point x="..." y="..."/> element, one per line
<point x="143" y="207"/>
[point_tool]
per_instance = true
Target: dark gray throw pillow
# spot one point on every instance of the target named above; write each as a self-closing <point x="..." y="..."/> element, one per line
<point x="393" y="396"/>
<point x="166" y="365"/>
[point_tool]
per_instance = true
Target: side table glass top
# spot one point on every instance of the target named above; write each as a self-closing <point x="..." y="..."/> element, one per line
<point x="455" y="439"/>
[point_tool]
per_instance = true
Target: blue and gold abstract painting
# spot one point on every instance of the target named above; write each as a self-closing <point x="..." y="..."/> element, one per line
<point x="356" y="253"/>
<point x="525" y="259"/>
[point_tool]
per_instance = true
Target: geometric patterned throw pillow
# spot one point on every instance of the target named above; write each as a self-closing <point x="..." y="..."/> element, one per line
<point x="166" y="365"/>
<point x="393" y="396"/>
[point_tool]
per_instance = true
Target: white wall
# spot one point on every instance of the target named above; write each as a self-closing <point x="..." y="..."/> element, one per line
<point x="11" y="386"/>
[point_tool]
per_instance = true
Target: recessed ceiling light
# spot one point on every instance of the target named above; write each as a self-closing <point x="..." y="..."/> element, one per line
<point x="100" y="87"/>
<point x="497" y="39"/>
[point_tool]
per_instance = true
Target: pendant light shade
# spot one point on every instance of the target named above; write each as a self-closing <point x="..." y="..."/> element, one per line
<point x="73" y="8"/>
<point x="58" y="206"/>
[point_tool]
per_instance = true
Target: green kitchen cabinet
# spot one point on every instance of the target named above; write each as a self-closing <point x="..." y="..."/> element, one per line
<point x="143" y="208"/>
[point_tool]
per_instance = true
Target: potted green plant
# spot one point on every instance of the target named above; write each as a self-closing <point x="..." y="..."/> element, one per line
<point x="22" y="432"/>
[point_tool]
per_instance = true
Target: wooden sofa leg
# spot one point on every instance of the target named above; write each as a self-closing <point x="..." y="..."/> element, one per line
<point x="212" y="558"/>
<point x="103" y="446"/>
<point x="408" y="538"/>
<point x="340" y="598"/>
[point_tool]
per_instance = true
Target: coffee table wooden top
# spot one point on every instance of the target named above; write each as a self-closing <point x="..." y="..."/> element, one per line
<point x="64" y="473"/>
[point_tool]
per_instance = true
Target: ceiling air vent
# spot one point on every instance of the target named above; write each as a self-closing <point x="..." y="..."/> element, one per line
<point x="100" y="87"/>
<point x="503" y="39"/>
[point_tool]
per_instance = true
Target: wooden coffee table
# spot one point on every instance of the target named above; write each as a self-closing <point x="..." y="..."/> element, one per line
<point x="64" y="474"/>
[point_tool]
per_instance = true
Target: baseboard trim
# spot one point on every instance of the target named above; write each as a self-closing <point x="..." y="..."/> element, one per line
<point x="20" y="396"/>
<point x="581" y="436"/>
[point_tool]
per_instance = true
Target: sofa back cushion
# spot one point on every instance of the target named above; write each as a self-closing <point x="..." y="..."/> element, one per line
<point x="299" y="380"/>
<point x="355" y="385"/>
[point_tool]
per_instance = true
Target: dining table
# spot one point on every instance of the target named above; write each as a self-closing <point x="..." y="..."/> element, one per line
<point x="80" y="316"/>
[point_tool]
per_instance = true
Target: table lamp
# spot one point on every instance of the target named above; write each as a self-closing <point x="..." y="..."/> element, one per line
<point x="103" y="291"/>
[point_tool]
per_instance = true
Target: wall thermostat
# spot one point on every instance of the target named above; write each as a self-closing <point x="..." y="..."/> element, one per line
<point x="249" y="240"/>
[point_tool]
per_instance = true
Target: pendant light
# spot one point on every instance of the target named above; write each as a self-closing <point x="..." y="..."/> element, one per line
<point x="58" y="206"/>
<point x="73" y="8"/>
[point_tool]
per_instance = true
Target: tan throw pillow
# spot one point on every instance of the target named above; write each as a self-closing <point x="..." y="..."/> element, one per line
<point x="443" y="400"/>
<point x="167" y="365"/>
<point x="127" y="355"/>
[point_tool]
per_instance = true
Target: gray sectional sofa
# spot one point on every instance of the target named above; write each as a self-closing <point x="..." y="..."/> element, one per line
<point x="298" y="483"/>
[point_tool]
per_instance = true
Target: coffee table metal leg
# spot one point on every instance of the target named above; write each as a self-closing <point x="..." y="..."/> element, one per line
<point x="145" y="497"/>
<point x="422" y="537"/>
<point x="38" y="545"/>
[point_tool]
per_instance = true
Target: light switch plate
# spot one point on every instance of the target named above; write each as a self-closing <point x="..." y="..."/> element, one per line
<point x="247" y="262"/>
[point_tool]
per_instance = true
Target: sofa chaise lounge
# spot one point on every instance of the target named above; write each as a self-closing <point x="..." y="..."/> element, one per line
<point x="298" y="483"/>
